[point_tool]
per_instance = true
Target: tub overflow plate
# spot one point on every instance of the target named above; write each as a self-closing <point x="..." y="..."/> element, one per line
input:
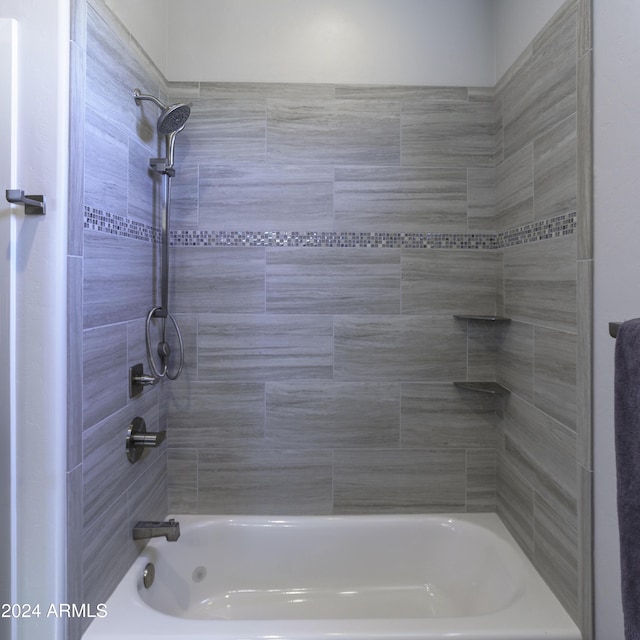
<point x="148" y="575"/>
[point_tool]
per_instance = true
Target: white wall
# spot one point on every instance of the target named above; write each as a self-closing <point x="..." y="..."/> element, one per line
<point x="8" y="166"/>
<point x="41" y="243"/>
<point x="429" y="42"/>
<point x="148" y="21"/>
<point x="516" y="24"/>
<point x="617" y="266"/>
<point x="335" y="41"/>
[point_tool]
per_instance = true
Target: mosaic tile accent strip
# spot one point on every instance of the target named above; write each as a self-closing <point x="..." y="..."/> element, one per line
<point x="332" y="239"/>
<point x="105" y="222"/>
<point x="558" y="226"/>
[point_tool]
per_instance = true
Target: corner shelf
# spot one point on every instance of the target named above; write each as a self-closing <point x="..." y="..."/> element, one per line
<point x="482" y="318"/>
<point x="484" y="387"/>
<point x="492" y="388"/>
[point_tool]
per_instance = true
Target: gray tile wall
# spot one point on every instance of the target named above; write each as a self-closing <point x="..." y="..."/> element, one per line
<point x="325" y="235"/>
<point x="111" y="287"/>
<point x="540" y="432"/>
<point x="312" y="371"/>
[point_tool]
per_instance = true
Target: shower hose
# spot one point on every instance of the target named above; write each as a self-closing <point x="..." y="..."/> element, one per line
<point x="164" y="350"/>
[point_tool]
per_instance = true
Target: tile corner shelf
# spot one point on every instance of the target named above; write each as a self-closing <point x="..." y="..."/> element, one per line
<point x="483" y="318"/>
<point x="484" y="387"/>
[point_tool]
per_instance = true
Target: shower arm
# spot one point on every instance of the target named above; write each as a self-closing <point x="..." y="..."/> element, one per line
<point x="137" y="95"/>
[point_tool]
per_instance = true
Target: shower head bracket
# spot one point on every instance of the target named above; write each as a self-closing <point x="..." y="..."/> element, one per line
<point x="162" y="166"/>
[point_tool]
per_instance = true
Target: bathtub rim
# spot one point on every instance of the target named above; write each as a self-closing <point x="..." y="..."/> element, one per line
<point x="554" y="624"/>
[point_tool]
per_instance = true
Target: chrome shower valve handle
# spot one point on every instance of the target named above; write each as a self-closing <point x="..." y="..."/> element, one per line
<point x="138" y="439"/>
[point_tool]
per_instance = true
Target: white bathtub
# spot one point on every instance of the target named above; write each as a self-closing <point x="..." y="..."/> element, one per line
<point x="422" y="577"/>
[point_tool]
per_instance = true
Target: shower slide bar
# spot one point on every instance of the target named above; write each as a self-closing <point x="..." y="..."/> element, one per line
<point x="170" y="123"/>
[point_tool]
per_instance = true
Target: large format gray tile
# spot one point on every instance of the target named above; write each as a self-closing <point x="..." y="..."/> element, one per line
<point x="514" y="368"/>
<point x="556" y="553"/>
<point x="333" y="132"/>
<point x="555" y="374"/>
<point x="106" y="162"/>
<point x="332" y="415"/>
<point x="119" y="279"/>
<point x="399" y="348"/>
<point x="584" y="203"/>
<point x="182" y="489"/>
<point x="217" y="415"/>
<point x="328" y="280"/>
<point x="406" y="94"/>
<point x="585" y="27"/>
<point x="449" y="282"/>
<point x="75" y="370"/>
<point x="144" y="187"/>
<point x="108" y="551"/>
<point x="217" y="279"/>
<point x="481" y="195"/>
<point x="481" y="480"/>
<point x="555" y="166"/>
<point x="415" y="481"/>
<point x="258" y="197"/>
<point x="137" y="344"/>
<point x="104" y="372"/>
<point x="400" y="199"/>
<point x="106" y="471"/>
<point x="545" y="451"/>
<point x="543" y="93"/>
<point x="264" y="347"/>
<point x="147" y="496"/>
<point x="540" y="282"/>
<point x="515" y="503"/>
<point x="184" y="205"/>
<point x="264" y="482"/>
<point x="437" y="416"/>
<point x="259" y="92"/>
<point x="584" y="361"/>
<point x="499" y="128"/>
<point x="115" y="66"/>
<point x="514" y="189"/>
<point x="482" y="349"/>
<point x="223" y="131"/>
<point x="448" y="134"/>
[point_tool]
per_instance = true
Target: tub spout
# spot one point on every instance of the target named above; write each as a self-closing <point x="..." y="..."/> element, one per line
<point x="150" y="529"/>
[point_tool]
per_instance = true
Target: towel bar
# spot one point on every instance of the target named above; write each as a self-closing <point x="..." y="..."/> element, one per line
<point x="613" y="329"/>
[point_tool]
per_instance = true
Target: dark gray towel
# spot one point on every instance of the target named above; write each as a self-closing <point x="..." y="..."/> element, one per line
<point x="627" y="438"/>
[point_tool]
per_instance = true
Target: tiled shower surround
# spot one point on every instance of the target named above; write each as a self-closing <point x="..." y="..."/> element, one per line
<point x="314" y="359"/>
<point x="323" y="237"/>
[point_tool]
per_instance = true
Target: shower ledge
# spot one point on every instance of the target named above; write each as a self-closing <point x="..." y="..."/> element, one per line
<point x="483" y="318"/>
<point x="483" y="386"/>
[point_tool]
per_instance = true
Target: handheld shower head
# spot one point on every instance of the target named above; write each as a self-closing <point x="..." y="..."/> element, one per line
<point x="172" y="118"/>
